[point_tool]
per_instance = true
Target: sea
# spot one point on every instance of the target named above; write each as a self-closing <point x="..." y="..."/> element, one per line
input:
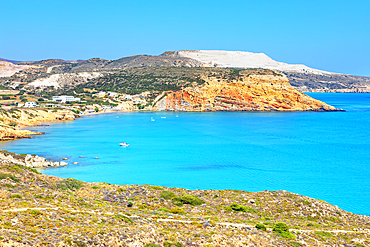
<point x="324" y="155"/>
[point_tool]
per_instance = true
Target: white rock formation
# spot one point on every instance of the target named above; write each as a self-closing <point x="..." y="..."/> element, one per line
<point x="58" y="80"/>
<point x="243" y="59"/>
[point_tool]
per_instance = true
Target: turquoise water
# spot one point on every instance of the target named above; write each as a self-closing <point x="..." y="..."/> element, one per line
<point x="324" y="155"/>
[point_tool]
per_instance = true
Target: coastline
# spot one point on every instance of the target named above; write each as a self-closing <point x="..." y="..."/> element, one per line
<point x="67" y="212"/>
<point x="217" y="222"/>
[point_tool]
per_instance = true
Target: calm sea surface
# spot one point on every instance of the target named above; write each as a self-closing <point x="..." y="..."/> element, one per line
<point x="324" y="155"/>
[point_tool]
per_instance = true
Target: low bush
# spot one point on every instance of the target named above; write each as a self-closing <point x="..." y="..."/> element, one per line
<point x="282" y="230"/>
<point x="167" y="194"/>
<point x="6" y="175"/>
<point x="192" y="200"/>
<point x="261" y="226"/>
<point x="69" y="184"/>
<point x="239" y="208"/>
<point x="177" y="210"/>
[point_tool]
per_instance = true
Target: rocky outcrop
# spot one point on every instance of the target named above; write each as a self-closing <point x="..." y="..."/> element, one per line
<point x="263" y="90"/>
<point x="29" y="117"/>
<point x="32" y="161"/>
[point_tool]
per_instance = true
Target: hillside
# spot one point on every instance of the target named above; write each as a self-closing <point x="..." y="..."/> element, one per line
<point x="184" y="88"/>
<point x="41" y="210"/>
<point x="301" y="77"/>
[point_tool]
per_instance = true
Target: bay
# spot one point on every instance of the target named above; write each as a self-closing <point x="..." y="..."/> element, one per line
<point x="324" y="155"/>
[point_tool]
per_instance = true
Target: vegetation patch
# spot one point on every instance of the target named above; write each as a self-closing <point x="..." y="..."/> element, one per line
<point x="261" y="226"/>
<point x="282" y="230"/>
<point x="191" y="200"/>
<point x="167" y="194"/>
<point x="69" y="184"/>
<point x="6" y="175"/>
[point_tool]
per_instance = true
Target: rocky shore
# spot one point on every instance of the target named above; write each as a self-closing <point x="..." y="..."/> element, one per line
<point x="13" y="120"/>
<point x="41" y="210"/>
<point x="27" y="160"/>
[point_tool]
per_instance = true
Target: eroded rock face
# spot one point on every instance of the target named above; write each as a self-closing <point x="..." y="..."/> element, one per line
<point x="245" y="92"/>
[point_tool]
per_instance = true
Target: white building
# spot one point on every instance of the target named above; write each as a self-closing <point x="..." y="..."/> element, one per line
<point x="30" y="104"/>
<point x="65" y="98"/>
<point x="100" y="94"/>
<point x="112" y="94"/>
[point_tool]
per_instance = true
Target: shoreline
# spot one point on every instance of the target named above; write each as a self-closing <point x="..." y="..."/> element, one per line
<point x="138" y="215"/>
<point x="43" y="208"/>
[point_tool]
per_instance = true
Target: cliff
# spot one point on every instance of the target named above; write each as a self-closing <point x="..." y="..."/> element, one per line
<point x="41" y="210"/>
<point x="12" y="120"/>
<point x="240" y="90"/>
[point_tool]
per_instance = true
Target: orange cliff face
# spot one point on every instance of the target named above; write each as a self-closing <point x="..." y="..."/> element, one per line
<point x="245" y="92"/>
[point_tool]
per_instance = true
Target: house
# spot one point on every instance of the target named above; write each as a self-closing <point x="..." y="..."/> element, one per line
<point x="30" y="104"/>
<point x="20" y="104"/>
<point x="129" y="97"/>
<point x="65" y="98"/>
<point x="112" y="94"/>
<point x="100" y="94"/>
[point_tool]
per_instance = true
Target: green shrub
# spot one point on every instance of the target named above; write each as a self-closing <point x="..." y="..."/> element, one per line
<point x="6" y="175"/>
<point x="177" y="210"/>
<point x="167" y="194"/>
<point x="261" y="226"/>
<point x="192" y="200"/>
<point x="69" y="184"/>
<point x="130" y="204"/>
<point x="282" y="230"/>
<point x="152" y="245"/>
<point x="177" y="201"/>
<point x="16" y="196"/>
<point x="239" y="208"/>
<point x="35" y="212"/>
<point x="12" y="124"/>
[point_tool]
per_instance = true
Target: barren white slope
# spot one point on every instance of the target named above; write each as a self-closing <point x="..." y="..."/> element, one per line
<point x="9" y="69"/>
<point x="243" y="59"/>
<point x="58" y="80"/>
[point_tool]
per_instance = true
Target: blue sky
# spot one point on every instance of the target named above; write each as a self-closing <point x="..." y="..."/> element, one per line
<point x="328" y="35"/>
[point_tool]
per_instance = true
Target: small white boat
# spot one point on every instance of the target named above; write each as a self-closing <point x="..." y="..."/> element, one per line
<point x="163" y="117"/>
<point x="124" y="144"/>
<point x="152" y="119"/>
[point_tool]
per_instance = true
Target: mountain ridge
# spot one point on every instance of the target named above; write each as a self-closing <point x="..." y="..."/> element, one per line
<point x="301" y="77"/>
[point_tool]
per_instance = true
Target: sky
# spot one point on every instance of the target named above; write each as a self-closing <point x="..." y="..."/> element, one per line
<point x="328" y="35"/>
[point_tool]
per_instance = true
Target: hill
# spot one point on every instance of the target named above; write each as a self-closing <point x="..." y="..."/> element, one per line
<point x="41" y="210"/>
<point x="300" y="76"/>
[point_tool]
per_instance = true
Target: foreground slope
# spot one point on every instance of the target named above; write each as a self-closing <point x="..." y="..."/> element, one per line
<point x="41" y="210"/>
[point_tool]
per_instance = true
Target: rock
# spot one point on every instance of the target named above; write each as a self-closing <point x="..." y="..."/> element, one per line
<point x="259" y="90"/>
